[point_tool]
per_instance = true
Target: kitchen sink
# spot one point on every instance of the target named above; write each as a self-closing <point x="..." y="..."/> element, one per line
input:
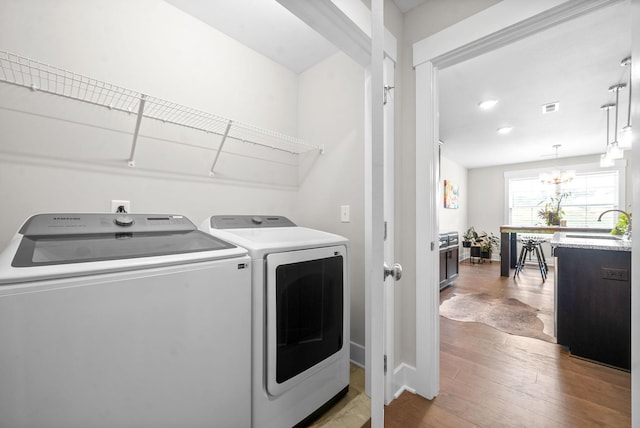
<point x="608" y="237"/>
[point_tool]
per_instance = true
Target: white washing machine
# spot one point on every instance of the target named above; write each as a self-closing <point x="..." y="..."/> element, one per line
<point x="300" y="316"/>
<point x="134" y="320"/>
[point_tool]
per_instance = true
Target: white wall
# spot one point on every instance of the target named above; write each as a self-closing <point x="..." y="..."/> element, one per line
<point x="153" y="47"/>
<point x="454" y="220"/>
<point x="60" y="155"/>
<point x="331" y="101"/>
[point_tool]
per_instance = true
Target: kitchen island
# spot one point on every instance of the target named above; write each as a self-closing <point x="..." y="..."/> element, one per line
<point x="593" y="296"/>
<point x="509" y="240"/>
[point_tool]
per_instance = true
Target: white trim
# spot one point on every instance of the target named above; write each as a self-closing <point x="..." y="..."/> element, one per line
<point x="427" y="282"/>
<point x="390" y="46"/>
<point x="357" y="12"/>
<point x="375" y="282"/>
<point x="368" y="204"/>
<point x="336" y="25"/>
<point x="620" y="166"/>
<point x="635" y="251"/>
<point x="403" y="375"/>
<point x="345" y="23"/>
<point x="489" y="21"/>
<point x="504" y="23"/>
<point x="498" y="26"/>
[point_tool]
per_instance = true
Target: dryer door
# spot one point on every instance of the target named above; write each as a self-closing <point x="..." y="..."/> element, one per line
<point x="306" y="308"/>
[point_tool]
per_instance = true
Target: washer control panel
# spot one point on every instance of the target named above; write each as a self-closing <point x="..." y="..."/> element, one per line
<point x="99" y="223"/>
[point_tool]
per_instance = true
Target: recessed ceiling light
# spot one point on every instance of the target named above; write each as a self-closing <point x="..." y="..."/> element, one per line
<point x="487" y="104"/>
<point x="504" y="130"/>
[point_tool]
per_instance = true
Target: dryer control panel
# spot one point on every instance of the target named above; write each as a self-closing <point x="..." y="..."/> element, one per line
<point x="249" y="221"/>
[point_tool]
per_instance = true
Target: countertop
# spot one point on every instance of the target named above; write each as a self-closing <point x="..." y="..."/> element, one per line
<point x="590" y="241"/>
<point x="550" y="229"/>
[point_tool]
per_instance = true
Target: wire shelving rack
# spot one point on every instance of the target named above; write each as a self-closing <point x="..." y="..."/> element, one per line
<point x="38" y="76"/>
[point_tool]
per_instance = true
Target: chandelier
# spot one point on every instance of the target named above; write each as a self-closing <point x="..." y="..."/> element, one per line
<point x="557" y="176"/>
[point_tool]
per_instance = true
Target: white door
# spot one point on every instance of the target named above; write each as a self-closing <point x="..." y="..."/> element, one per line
<point x="389" y="222"/>
<point x="381" y="269"/>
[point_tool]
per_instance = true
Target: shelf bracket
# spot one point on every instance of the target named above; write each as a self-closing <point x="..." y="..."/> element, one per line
<point x="224" y="138"/>
<point x="131" y="162"/>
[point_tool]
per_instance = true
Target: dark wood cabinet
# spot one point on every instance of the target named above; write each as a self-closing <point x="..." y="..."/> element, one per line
<point x="453" y="256"/>
<point x="449" y="255"/>
<point x="594" y="304"/>
<point x="443" y="269"/>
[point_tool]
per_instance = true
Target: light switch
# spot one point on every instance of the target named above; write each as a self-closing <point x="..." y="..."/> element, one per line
<point x="345" y="216"/>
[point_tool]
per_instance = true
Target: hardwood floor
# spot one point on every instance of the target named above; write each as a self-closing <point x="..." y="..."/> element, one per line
<point x="492" y="379"/>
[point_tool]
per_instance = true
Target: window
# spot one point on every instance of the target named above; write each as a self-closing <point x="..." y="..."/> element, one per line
<point x="592" y="191"/>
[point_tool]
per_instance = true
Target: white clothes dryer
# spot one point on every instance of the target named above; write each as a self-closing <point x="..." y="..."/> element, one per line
<point x="300" y="316"/>
<point x="134" y="320"/>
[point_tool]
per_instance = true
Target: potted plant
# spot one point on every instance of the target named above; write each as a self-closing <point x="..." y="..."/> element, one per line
<point x="482" y="244"/>
<point x="622" y="226"/>
<point x="469" y="236"/>
<point x="489" y="243"/>
<point x="552" y="212"/>
<point x="476" y="243"/>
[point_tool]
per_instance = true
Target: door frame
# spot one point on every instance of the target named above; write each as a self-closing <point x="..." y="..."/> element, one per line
<point x="497" y="26"/>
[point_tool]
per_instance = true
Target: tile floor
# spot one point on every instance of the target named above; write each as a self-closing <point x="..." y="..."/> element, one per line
<point x="353" y="410"/>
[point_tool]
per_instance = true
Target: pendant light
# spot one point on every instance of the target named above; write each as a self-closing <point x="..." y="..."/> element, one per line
<point x="613" y="150"/>
<point x="626" y="137"/>
<point x="605" y="160"/>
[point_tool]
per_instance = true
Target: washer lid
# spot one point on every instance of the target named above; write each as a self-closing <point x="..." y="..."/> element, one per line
<point x="53" y="239"/>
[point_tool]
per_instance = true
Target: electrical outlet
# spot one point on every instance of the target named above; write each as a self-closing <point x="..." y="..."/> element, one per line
<point x="345" y="215"/>
<point x="117" y="203"/>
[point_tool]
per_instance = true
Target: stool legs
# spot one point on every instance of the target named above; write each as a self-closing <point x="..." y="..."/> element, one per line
<point x="541" y="265"/>
<point x="521" y="260"/>
<point x="529" y="247"/>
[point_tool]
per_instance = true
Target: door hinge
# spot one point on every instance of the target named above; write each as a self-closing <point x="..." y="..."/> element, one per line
<point x="385" y="365"/>
<point x="387" y="88"/>
<point x="433" y="245"/>
<point x="385" y="230"/>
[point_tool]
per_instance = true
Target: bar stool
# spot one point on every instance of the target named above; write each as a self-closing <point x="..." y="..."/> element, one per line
<point x="531" y="245"/>
<point x="544" y="260"/>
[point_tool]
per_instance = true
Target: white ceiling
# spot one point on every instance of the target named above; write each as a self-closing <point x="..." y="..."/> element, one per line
<point x="574" y="64"/>
<point x="264" y="26"/>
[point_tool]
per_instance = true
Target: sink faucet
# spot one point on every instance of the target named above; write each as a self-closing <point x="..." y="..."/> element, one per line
<point x="627" y="235"/>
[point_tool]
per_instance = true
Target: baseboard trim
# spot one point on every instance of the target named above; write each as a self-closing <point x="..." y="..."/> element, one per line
<point x="356" y="354"/>
<point x="403" y="376"/>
